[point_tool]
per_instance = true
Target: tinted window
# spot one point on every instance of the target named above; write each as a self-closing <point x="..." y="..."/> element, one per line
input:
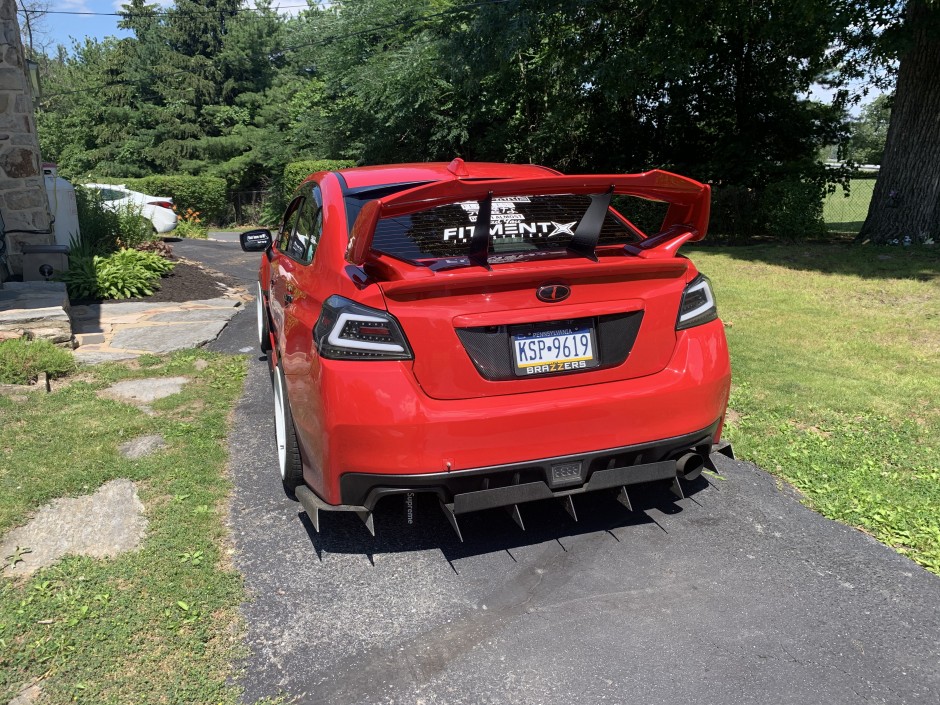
<point x="307" y="230"/>
<point x="518" y="224"/>
<point x="110" y="194"/>
<point x="290" y="219"/>
<point x="355" y="199"/>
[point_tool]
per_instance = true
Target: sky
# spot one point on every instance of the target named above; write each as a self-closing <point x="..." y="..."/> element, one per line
<point x="64" y="28"/>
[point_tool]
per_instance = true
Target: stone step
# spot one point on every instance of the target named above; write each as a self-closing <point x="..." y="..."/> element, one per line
<point x="36" y="309"/>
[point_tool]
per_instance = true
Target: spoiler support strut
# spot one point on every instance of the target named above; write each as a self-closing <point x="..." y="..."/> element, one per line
<point x="480" y="242"/>
<point x="588" y="232"/>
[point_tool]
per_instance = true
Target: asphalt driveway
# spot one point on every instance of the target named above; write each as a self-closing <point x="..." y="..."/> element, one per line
<point x="737" y="594"/>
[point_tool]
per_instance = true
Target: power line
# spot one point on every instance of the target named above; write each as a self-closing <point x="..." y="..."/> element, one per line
<point x="160" y="13"/>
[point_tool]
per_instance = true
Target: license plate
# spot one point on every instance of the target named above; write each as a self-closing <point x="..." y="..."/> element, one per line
<point x="565" y="350"/>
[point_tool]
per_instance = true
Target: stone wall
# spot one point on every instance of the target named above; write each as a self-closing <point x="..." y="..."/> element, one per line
<point x="23" y="201"/>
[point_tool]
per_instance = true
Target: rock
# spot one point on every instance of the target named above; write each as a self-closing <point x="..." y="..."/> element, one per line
<point x="18" y="162"/>
<point x="95" y="357"/>
<point x="37" y="308"/>
<point x="28" y="694"/>
<point x="194" y="314"/>
<point x="217" y="303"/>
<point x="143" y="391"/>
<point x="143" y="446"/>
<point x="164" y="339"/>
<point x="103" y="524"/>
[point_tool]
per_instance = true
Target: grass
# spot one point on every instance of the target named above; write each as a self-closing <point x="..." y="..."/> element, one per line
<point x="22" y="360"/>
<point x="835" y="351"/>
<point x="847" y="214"/>
<point x="156" y="625"/>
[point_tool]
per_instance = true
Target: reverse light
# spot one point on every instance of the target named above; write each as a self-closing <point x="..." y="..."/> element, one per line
<point x="698" y="304"/>
<point x="350" y="331"/>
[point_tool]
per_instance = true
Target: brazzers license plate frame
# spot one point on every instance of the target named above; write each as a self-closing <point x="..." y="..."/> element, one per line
<point x="541" y="349"/>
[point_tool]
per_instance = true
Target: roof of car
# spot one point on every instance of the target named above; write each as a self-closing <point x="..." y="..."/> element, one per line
<point x="366" y="176"/>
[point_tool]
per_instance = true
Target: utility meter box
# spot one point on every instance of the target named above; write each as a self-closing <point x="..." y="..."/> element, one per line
<point x="43" y="262"/>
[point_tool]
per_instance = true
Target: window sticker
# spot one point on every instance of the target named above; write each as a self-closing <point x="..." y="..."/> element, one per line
<point x="521" y="227"/>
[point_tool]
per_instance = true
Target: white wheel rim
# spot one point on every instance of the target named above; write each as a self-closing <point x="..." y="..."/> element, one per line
<point x="280" y="422"/>
<point x="259" y="309"/>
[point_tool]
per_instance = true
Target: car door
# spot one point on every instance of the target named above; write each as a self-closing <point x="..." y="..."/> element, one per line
<point x="295" y="285"/>
<point x="300" y="284"/>
<point x="278" y="291"/>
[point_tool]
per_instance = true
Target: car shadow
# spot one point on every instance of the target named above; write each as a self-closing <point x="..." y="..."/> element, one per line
<point x="492" y="530"/>
<point x="866" y="261"/>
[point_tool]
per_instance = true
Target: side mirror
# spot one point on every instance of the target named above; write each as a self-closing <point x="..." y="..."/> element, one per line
<point x="256" y="240"/>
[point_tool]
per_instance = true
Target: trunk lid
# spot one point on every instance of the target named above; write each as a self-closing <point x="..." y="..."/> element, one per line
<point x="524" y="285"/>
<point x="463" y="326"/>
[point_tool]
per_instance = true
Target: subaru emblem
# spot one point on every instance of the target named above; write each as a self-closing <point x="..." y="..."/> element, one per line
<point x="553" y="293"/>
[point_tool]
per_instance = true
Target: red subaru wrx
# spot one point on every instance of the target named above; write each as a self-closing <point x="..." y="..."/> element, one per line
<point x="494" y="334"/>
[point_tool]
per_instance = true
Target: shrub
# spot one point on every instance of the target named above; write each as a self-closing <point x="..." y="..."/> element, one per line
<point x="793" y="210"/>
<point x="122" y="275"/>
<point x="99" y="226"/>
<point x="204" y="194"/>
<point x="133" y="228"/>
<point x="129" y="273"/>
<point x="81" y="278"/>
<point x="290" y="179"/>
<point x="22" y="360"/>
<point x="789" y="209"/>
<point x="734" y="213"/>
<point x="190" y="225"/>
<point x="104" y="230"/>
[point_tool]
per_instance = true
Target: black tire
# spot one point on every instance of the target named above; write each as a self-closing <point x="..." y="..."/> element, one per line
<point x="264" y="328"/>
<point x="288" y="452"/>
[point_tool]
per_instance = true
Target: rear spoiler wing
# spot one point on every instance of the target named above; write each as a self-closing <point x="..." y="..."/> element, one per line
<point x="686" y="219"/>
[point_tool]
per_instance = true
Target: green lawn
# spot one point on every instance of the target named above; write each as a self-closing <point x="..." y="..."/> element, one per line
<point x="847" y="214"/>
<point x="835" y="356"/>
<point x="156" y="625"/>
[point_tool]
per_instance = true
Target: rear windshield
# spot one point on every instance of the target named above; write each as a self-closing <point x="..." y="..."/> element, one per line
<point x="519" y="225"/>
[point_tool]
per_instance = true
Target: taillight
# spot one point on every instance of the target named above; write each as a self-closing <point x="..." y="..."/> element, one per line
<point x="349" y="331"/>
<point x="698" y="304"/>
<point x="162" y="204"/>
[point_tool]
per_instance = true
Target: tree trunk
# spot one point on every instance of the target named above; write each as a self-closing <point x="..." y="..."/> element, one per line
<point x="906" y="199"/>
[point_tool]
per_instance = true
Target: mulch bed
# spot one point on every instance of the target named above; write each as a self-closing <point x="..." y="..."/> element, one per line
<point x="186" y="282"/>
<point x="189" y="282"/>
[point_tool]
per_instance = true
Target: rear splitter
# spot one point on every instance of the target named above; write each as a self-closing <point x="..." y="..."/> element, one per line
<point x="465" y="491"/>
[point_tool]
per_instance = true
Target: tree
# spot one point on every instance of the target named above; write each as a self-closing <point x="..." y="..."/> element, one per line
<point x="870" y="131"/>
<point x="31" y="15"/>
<point x="210" y="86"/>
<point x="906" y="199"/>
<point x="712" y="89"/>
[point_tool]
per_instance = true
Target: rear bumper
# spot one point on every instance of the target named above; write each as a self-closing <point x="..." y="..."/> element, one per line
<point x="515" y="483"/>
<point x="164" y="220"/>
<point x="393" y="432"/>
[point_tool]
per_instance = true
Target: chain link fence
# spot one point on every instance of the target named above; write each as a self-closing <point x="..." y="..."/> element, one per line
<point x="846" y="212"/>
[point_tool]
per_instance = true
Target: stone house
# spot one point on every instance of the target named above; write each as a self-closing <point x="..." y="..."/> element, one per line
<point x="24" y="206"/>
